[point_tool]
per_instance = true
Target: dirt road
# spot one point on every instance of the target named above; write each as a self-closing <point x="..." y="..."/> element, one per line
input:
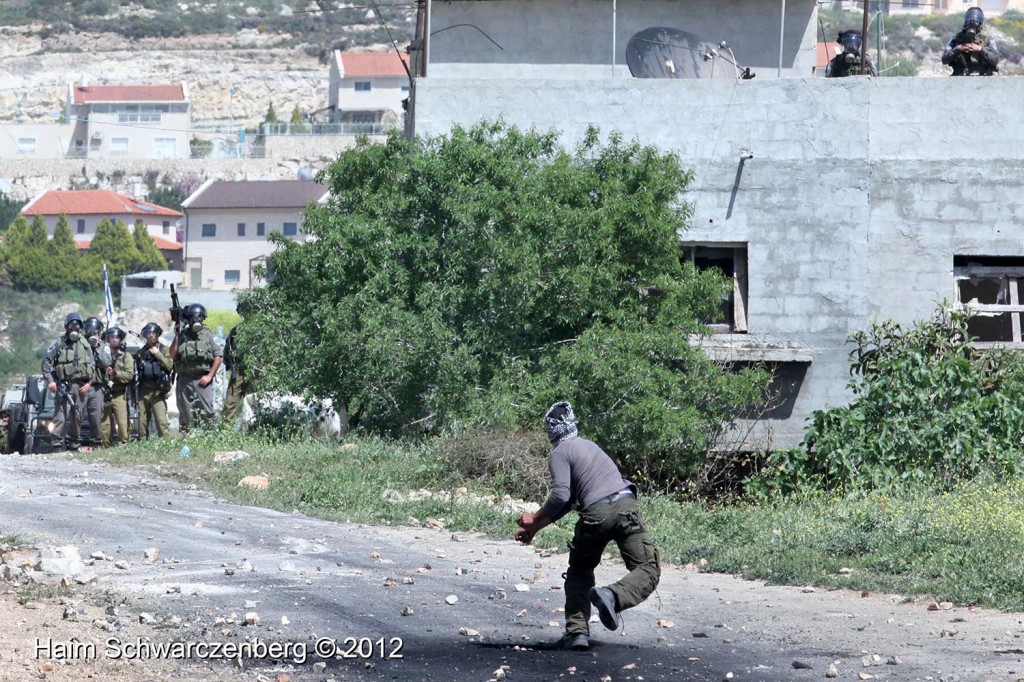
<point x="161" y="564"/>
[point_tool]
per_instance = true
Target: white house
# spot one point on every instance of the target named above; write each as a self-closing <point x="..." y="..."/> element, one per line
<point x="129" y="121"/>
<point x="227" y="224"/>
<point x="991" y="7"/>
<point x="367" y="89"/>
<point x="86" y="208"/>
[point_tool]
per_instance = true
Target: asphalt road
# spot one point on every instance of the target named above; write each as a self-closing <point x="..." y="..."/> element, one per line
<point x="314" y="581"/>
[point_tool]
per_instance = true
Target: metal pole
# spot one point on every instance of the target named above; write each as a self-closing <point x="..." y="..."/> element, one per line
<point x="426" y="40"/>
<point x="615" y="21"/>
<point x="864" y="33"/>
<point x="782" y="35"/>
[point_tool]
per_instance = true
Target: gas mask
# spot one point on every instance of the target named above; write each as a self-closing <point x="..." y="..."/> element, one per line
<point x="971" y="32"/>
<point x="196" y="326"/>
<point x="94" y="341"/>
<point x="73" y="335"/>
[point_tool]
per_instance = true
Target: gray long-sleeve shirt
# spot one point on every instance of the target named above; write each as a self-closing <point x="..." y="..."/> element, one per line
<point x="581" y="474"/>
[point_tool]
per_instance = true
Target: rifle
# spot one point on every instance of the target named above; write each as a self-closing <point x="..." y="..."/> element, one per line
<point x="175" y="308"/>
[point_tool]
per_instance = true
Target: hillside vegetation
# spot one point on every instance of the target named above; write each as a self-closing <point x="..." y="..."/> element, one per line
<point x="326" y="22"/>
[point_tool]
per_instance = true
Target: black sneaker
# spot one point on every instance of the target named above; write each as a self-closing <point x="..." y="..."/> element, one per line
<point x="604" y="600"/>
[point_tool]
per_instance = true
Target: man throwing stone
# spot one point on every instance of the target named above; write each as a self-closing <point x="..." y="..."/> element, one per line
<point x="586" y="479"/>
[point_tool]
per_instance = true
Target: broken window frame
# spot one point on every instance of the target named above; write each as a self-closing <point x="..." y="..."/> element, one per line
<point x="1009" y="273"/>
<point x="736" y="308"/>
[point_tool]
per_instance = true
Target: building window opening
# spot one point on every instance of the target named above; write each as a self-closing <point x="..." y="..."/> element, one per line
<point x="731" y="261"/>
<point x="991" y="286"/>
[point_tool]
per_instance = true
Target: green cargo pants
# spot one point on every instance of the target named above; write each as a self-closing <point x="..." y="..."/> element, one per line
<point x="152" y="401"/>
<point x="599" y="524"/>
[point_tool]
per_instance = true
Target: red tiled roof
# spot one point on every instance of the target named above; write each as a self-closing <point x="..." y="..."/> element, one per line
<point x="167" y="244"/>
<point x="161" y="243"/>
<point x="129" y="93"/>
<point x="825" y="53"/>
<point x="94" y="202"/>
<point x="369" y="64"/>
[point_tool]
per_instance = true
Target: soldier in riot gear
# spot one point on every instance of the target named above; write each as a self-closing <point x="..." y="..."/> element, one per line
<point x="70" y="368"/>
<point x="847" y="62"/>
<point x="237" y="385"/>
<point x="154" y="374"/>
<point x="197" y="356"/>
<point x="121" y="375"/>
<point x="94" y="403"/>
<point x="972" y="52"/>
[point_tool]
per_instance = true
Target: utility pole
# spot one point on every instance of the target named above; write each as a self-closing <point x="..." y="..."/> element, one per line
<point x="864" y="34"/>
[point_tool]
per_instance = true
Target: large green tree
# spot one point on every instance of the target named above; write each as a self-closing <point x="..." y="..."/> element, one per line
<point x="478" y="276"/>
<point x="63" y="256"/>
<point x="150" y="257"/>
<point x="113" y="246"/>
<point x="25" y="255"/>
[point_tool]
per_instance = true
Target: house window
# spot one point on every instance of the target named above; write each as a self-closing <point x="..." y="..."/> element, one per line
<point x="232" y="276"/>
<point x="290" y="229"/>
<point x="364" y="117"/>
<point x="209" y="229"/>
<point x="364" y="86"/>
<point x="80" y="226"/>
<point x="992" y="287"/>
<point x="165" y="148"/>
<point x="241" y="229"/>
<point x="26" y="144"/>
<point x="119" y="145"/>
<point x="731" y="261"/>
<point x="261" y="229"/>
<point x="167" y="227"/>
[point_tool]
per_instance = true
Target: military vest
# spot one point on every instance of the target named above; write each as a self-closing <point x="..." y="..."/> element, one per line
<point x="149" y="369"/>
<point x="195" y="353"/>
<point x="74" y="361"/>
<point x="972" y="62"/>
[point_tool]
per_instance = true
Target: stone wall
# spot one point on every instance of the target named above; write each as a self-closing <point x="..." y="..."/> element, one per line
<point x="852" y="195"/>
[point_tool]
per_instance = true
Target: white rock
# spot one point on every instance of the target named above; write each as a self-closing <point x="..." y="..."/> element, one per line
<point x="123" y="565"/>
<point x="451" y="599"/>
<point x="522" y="587"/>
<point x="252" y="618"/>
<point x="151" y="555"/>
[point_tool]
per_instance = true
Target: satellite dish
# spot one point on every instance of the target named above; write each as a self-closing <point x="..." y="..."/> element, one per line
<point x="662" y="52"/>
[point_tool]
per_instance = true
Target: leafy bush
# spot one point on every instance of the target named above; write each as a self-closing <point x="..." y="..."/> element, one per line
<point x="487" y="273"/>
<point x="928" y="409"/>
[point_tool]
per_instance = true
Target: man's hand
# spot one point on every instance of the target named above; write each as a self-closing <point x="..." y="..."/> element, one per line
<point x="110" y="371"/>
<point x="84" y="389"/>
<point x="205" y="380"/>
<point x="529" y="524"/>
<point x="968" y="47"/>
<point x="53" y="387"/>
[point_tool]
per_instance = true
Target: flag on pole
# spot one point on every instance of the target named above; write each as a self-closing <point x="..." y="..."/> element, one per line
<point x="111" y="317"/>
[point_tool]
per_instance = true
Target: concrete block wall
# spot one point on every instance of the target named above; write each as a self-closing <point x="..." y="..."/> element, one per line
<point x="859" y="194"/>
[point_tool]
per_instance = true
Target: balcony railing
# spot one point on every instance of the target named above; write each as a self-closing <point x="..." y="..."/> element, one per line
<point x="328" y="128"/>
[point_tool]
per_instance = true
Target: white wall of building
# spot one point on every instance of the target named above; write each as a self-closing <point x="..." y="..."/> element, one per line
<point x="227" y="251"/>
<point x="573" y="39"/>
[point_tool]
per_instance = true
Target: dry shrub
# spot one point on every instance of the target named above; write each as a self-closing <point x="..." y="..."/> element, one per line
<point x="508" y="462"/>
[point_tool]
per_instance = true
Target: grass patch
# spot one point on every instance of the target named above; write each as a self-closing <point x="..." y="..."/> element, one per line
<point x="964" y="546"/>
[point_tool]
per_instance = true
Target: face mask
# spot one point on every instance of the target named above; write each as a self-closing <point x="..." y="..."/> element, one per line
<point x="971" y="33"/>
<point x="73" y="335"/>
<point x="196" y="326"/>
<point x="94" y="341"/>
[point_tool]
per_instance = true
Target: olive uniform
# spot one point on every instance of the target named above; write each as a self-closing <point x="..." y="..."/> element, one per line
<point x="985" y="62"/>
<point x="116" y="412"/>
<point x="95" y="400"/>
<point x="72" y="365"/>
<point x="237" y="385"/>
<point x="154" y="367"/>
<point x="196" y="356"/>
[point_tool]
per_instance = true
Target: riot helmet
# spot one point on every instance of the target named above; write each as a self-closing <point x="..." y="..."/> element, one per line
<point x="974" y="18"/>
<point x="195" y="314"/>
<point x="151" y="328"/>
<point x="73" y="326"/>
<point x="852" y="41"/>
<point x="114" y="336"/>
